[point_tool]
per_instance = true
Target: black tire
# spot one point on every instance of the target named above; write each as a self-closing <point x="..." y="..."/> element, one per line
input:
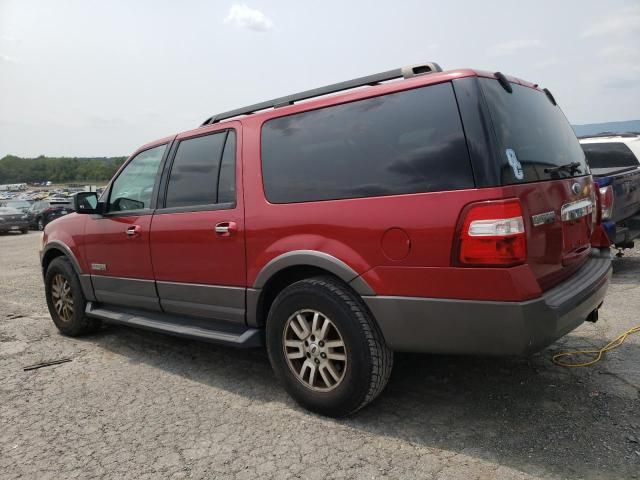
<point x="368" y="359"/>
<point x="40" y="225"/>
<point x="25" y="230"/>
<point x="78" y="324"/>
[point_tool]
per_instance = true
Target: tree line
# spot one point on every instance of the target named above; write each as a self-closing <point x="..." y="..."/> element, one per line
<point x="57" y="169"/>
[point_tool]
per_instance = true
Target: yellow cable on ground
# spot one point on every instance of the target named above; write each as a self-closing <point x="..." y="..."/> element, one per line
<point x="597" y="354"/>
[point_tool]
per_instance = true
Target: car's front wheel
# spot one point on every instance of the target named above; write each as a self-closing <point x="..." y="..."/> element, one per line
<point x="326" y="348"/>
<point x="40" y="224"/>
<point x="65" y="299"/>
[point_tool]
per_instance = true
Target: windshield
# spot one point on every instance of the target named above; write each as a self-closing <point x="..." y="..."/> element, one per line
<point x="533" y="135"/>
<point x="609" y="155"/>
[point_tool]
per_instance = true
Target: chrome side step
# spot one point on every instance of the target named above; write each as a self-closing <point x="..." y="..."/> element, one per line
<point x="227" y="333"/>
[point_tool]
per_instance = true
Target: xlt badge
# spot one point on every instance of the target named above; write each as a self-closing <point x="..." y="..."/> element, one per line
<point x="543" y="218"/>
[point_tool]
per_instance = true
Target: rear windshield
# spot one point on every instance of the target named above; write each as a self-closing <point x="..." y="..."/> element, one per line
<point x="534" y="137"/>
<point x="609" y="155"/>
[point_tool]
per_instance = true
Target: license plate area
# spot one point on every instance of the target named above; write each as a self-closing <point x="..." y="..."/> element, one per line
<point x="576" y="229"/>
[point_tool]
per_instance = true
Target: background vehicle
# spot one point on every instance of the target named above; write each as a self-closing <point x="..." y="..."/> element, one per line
<point x="340" y="229"/>
<point x="614" y="160"/>
<point x="21" y="205"/>
<point x="13" y="220"/>
<point x="44" y="211"/>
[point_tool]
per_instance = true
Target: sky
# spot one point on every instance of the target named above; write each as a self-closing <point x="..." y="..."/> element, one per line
<point x="100" y="78"/>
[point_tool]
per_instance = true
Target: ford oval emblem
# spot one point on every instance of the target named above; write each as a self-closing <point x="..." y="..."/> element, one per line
<point x="575" y="188"/>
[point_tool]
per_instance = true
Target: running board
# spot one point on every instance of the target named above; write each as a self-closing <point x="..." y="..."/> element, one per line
<point x="189" y="327"/>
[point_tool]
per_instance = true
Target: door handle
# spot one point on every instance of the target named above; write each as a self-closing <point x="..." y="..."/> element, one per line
<point x="226" y="229"/>
<point x="133" y="231"/>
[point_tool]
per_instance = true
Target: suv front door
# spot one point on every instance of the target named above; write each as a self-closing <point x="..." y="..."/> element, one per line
<point x="197" y="235"/>
<point x="117" y="242"/>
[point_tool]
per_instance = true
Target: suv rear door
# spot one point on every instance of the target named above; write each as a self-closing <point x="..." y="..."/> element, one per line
<point x="117" y="243"/>
<point x="521" y="140"/>
<point x="197" y="235"/>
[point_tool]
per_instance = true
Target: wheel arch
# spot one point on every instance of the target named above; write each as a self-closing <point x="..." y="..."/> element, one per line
<point x="291" y="267"/>
<point x="55" y="249"/>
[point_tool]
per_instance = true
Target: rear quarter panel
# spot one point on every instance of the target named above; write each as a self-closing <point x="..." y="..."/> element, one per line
<point x="352" y="231"/>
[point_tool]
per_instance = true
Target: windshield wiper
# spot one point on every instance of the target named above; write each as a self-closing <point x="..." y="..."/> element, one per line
<point x="570" y="167"/>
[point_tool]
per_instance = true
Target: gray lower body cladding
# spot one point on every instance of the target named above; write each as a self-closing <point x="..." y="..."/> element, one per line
<point x="436" y="325"/>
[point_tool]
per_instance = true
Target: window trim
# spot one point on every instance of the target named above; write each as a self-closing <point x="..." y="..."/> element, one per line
<point x="161" y="207"/>
<point x="154" y="192"/>
<point x="197" y="208"/>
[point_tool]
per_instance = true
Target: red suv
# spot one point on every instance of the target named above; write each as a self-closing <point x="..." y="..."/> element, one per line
<point x="413" y="210"/>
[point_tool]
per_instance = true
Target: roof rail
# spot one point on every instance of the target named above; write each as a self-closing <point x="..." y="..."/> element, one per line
<point x="405" y="72"/>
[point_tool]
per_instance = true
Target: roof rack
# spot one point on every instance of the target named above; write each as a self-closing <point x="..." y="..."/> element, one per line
<point x="405" y="72"/>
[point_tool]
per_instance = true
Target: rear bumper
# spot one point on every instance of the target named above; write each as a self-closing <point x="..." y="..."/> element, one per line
<point x="438" y="325"/>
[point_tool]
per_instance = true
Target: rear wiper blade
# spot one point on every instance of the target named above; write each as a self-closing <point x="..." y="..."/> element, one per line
<point x="570" y="167"/>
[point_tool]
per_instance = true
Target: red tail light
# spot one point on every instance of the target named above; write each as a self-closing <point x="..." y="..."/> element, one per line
<point x="492" y="234"/>
<point x="606" y="202"/>
<point x="599" y="237"/>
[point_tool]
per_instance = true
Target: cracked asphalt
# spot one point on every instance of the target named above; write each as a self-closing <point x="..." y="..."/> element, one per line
<point x="133" y="404"/>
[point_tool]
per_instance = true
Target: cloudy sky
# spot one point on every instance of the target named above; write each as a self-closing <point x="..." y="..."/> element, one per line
<point x="83" y="77"/>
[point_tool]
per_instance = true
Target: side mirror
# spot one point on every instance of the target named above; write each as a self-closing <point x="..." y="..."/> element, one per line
<point x="86" y="202"/>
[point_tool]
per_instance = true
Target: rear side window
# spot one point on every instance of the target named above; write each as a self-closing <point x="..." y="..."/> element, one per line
<point x="406" y="142"/>
<point x="533" y="135"/>
<point x="608" y="155"/>
<point x="196" y="172"/>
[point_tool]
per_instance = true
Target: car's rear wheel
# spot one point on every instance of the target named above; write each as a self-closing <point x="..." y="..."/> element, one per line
<point x="65" y="299"/>
<point x="40" y="224"/>
<point x="325" y="347"/>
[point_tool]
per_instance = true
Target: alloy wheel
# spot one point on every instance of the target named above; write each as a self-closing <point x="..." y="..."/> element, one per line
<point x="62" y="298"/>
<point x="315" y="350"/>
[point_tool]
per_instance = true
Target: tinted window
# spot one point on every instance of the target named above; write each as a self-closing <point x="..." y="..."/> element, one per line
<point x="533" y="135"/>
<point x="133" y="188"/>
<point x="194" y="173"/>
<point x="227" y="183"/>
<point x="405" y="142"/>
<point x="610" y="154"/>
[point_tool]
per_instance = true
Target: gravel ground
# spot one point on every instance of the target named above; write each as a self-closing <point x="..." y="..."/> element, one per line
<point x="133" y="404"/>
